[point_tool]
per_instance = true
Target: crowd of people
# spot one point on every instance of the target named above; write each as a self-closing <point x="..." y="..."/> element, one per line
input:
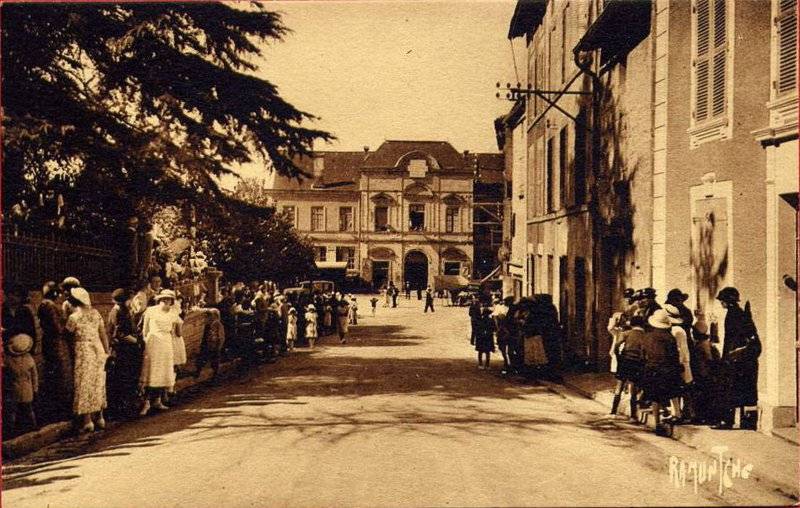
<point x="128" y="363"/>
<point x="667" y="359"/>
<point x="527" y="332"/>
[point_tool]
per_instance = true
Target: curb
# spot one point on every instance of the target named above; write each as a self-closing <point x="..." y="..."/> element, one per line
<point x="681" y="434"/>
<point x="54" y="432"/>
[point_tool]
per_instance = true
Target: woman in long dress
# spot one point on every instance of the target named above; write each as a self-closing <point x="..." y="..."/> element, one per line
<point x="91" y="351"/>
<point x="311" y="325"/>
<point x="161" y="324"/>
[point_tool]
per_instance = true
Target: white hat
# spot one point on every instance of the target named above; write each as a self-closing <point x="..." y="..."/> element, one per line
<point x="81" y="295"/>
<point x="165" y="293"/>
<point x="674" y="314"/>
<point x="311" y="307"/>
<point x="20" y="344"/>
<point x="660" y="319"/>
<point x="70" y="281"/>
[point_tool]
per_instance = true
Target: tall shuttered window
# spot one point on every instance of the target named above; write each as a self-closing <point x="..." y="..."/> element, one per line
<point x="710" y="60"/>
<point x="786" y="30"/>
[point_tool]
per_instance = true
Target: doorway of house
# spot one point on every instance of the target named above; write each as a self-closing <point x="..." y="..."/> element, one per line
<point x="380" y="273"/>
<point x="415" y="269"/>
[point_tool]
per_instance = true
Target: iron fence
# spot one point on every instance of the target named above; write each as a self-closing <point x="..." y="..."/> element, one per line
<point x="31" y="260"/>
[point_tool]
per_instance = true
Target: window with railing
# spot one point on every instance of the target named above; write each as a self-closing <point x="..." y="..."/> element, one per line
<point x="416" y="217"/>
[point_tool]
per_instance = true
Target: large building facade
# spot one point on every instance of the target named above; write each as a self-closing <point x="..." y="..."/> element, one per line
<point x="659" y="147"/>
<point x="401" y="213"/>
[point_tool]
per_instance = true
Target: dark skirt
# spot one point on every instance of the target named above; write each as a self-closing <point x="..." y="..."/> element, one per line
<point x="629" y="369"/>
<point x="661" y="383"/>
<point x="484" y="343"/>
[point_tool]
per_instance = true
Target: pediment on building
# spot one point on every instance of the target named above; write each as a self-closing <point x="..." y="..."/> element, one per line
<point x="418" y="190"/>
<point x="454" y="254"/>
<point x="382" y="253"/>
<point x="383" y="199"/>
<point x="454" y="200"/>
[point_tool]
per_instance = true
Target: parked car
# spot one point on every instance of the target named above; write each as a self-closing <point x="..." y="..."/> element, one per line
<point x="322" y="286"/>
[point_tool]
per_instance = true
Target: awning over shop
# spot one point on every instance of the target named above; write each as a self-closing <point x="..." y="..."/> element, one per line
<point x="340" y="265"/>
<point x="449" y="282"/>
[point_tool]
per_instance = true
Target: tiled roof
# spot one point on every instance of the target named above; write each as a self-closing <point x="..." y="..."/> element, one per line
<point x="391" y="151"/>
<point x="341" y="171"/>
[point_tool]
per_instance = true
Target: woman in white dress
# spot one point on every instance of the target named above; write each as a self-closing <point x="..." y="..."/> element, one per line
<point x="311" y="325"/>
<point x="161" y="325"/>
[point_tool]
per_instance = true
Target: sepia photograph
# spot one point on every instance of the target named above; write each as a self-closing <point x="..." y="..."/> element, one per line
<point x="399" y="253"/>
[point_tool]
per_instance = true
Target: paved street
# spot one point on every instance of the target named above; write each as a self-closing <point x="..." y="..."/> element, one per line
<point x="399" y="416"/>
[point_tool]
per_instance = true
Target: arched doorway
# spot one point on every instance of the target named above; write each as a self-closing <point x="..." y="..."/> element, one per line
<point x="415" y="269"/>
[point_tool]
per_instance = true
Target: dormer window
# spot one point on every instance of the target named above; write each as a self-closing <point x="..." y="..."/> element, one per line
<point x="417" y="168"/>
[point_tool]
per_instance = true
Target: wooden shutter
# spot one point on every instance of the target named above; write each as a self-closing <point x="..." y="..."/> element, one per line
<point x="710" y="61"/>
<point x="702" y="42"/>
<point x="786" y="24"/>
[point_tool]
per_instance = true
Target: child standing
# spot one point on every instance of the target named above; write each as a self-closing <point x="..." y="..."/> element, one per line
<point x="291" y="329"/>
<point x="374" y="302"/>
<point x="311" y="325"/>
<point x="353" y="311"/>
<point x="22" y="381"/>
<point x="484" y="337"/>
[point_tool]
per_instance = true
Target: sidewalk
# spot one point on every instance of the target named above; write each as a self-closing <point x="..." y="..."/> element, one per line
<point x="776" y="457"/>
<point x="54" y="432"/>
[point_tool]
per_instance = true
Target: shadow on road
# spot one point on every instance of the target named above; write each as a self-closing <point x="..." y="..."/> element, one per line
<point x="451" y="398"/>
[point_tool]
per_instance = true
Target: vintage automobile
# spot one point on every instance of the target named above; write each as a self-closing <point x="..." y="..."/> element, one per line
<point x="308" y="287"/>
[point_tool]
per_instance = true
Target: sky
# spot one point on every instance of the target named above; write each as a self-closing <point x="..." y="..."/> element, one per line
<point x="377" y="70"/>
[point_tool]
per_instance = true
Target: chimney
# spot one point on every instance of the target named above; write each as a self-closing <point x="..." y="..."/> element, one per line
<point x="319" y="167"/>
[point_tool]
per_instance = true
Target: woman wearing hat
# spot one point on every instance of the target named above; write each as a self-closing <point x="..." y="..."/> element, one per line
<point x="311" y="325"/>
<point x="66" y="286"/>
<point x="20" y="381"/>
<point x="57" y="369"/>
<point x="682" y="343"/>
<point x="91" y="351"/>
<point x="662" y="369"/>
<point x="161" y="324"/>
<point x="127" y="351"/>
<point x="740" y="351"/>
<point x="342" y="310"/>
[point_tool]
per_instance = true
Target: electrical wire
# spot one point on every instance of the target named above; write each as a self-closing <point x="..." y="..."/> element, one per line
<point x="514" y="59"/>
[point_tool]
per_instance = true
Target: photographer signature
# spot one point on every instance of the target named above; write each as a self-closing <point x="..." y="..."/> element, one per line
<point x="721" y="469"/>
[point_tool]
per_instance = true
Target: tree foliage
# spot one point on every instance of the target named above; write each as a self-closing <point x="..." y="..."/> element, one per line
<point x="139" y="104"/>
<point x="257" y="244"/>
